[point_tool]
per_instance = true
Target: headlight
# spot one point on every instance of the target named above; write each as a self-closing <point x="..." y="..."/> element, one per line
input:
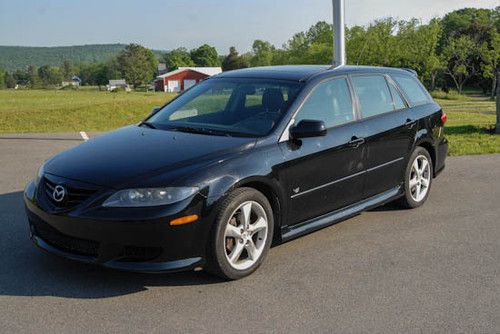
<point x="130" y="198"/>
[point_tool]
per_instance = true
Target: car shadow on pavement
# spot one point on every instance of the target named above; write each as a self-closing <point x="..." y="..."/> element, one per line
<point x="26" y="271"/>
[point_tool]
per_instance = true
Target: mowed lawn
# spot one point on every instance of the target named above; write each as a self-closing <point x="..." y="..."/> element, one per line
<point x="66" y="111"/>
<point x="468" y="129"/>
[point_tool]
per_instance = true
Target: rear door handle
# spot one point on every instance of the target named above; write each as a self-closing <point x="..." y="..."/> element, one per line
<point x="410" y="123"/>
<point x="356" y="142"/>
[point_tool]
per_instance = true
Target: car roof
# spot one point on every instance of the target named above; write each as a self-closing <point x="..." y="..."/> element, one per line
<point x="305" y="72"/>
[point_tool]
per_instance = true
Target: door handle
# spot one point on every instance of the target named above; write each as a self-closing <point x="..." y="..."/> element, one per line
<point x="356" y="142"/>
<point x="410" y="123"/>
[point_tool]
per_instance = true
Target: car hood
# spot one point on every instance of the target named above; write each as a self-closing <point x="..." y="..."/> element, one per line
<point x="120" y="156"/>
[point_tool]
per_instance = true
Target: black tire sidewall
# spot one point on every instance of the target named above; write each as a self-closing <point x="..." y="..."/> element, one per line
<point x="219" y="263"/>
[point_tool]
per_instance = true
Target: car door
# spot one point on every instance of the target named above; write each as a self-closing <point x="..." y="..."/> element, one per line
<point x="389" y="132"/>
<point x="325" y="173"/>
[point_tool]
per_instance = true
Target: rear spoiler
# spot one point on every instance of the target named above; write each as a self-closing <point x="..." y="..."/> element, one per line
<point x="412" y="71"/>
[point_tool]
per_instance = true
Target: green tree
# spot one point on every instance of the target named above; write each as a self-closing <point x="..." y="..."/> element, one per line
<point x="49" y="75"/>
<point x="233" y="61"/>
<point x="67" y="70"/>
<point x="10" y="81"/>
<point x="418" y="49"/>
<point x="490" y="61"/>
<point x="179" y="57"/>
<point x="205" y="56"/>
<point x="32" y="78"/>
<point x="137" y="64"/>
<point x="263" y="53"/>
<point x="460" y="54"/>
<point x="3" y="73"/>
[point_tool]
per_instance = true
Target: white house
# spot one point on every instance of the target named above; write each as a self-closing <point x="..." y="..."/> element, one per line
<point x="121" y="83"/>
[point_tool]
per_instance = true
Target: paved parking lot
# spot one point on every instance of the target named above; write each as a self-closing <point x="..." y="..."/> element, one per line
<point x="434" y="269"/>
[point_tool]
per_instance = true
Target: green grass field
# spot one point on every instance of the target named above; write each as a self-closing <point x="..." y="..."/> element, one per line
<point x="468" y="128"/>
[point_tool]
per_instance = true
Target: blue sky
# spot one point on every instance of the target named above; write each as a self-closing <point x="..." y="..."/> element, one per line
<point x="167" y="24"/>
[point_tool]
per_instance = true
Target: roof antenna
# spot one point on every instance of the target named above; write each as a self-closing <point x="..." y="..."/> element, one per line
<point x="339" y="58"/>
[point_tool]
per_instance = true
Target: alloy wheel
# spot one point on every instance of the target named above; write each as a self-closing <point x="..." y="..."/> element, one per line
<point x="246" y="235"/>
<point x="420" y="178"/>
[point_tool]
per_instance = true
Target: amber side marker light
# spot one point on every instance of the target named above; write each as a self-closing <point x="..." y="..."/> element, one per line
<point x="184" y="220"/>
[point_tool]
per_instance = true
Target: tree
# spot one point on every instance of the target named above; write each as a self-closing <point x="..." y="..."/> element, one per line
<point x="137" y="64"/>
<point x="205" y="56"/>
<point x="233" y="61"/>
<point x="498" y="103"/>
<point x="10" y="81"/>
<point x="49" y="75"/>
<point x="178" y="58"/>
<point x="490" y="61"/>
<point x="67" y="70"/>
<point x="263" y="53"/>
<point x="32" y="78"/>
<point x="2" y="78"/>
<point x="459" y="55"/>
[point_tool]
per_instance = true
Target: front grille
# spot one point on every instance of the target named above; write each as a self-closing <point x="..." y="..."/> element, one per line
<point x="64" y="242"/>
<point x="73" y="197"/>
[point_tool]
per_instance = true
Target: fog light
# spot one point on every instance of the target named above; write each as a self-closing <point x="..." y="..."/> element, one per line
<point x="184" y="220"/>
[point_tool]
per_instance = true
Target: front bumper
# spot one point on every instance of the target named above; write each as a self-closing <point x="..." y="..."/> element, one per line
<point x="150" y="245"/>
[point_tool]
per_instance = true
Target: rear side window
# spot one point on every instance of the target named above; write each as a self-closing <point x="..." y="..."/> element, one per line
<point x="398" y="100"/>
<point x="329" y="102"/>
<point x="413" y="89"/>
<point x="373" y="94"/>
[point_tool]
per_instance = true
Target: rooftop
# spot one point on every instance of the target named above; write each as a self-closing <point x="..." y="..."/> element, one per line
<point x="302" y="72"/>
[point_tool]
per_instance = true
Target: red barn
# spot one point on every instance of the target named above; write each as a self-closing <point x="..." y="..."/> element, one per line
<point x="184" y="78"/>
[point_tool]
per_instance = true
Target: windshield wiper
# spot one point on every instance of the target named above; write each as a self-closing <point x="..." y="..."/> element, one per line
<point x="190" y="129"/>
<point x="148" y="124"/>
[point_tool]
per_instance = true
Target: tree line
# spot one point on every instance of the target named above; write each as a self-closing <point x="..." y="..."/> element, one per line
<point x="458" y="50"/>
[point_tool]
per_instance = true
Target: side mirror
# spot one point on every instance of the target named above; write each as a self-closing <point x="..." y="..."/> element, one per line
<point x="308" y="129"/>
<point x="154" y="110"/>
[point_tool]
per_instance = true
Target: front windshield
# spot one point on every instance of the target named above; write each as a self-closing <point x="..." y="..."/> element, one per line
<point x="237" y="107"/>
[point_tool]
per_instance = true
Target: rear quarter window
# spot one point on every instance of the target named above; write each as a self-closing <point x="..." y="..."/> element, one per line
<point x="413" y="89"/>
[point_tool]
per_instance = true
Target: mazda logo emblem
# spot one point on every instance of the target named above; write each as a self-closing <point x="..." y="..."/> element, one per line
<point x="58" y="194"/>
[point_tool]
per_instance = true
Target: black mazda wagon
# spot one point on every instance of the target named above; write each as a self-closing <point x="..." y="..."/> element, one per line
<point x="238" y="162"/>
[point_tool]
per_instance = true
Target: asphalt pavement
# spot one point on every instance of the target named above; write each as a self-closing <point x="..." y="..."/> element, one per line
<point x="435" y="269"/>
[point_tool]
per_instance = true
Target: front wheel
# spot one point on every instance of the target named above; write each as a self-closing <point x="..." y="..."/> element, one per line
<point x="242" y="235"/>
<point x="418" y="179"/>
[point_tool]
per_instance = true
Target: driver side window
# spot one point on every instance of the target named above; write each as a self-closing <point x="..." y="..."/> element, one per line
<point x="329" y="102"/>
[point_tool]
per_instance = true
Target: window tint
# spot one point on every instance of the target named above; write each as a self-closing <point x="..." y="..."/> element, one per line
<point x="210" y="101"/>
<point x="398" y="100"/>
<point x="413" y="89"/>
<point x="373" y="94"/>
<point x="330" y="102"/>
<point x="240" y="107"/>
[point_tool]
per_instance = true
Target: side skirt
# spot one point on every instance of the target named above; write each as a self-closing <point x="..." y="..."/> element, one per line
<point x="292" y="232"/>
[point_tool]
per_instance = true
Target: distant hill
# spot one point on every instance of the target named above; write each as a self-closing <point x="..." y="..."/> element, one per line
<point x="19" y="57"/>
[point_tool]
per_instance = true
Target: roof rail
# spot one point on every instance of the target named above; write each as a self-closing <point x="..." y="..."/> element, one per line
<point x="412" y="71"/>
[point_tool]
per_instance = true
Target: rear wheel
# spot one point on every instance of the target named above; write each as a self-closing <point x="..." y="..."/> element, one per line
<point x="418" y="179"/>
<point x="242" y="235"/>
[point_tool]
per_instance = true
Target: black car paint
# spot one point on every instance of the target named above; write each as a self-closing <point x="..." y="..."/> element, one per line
<point x="355" y="166"/>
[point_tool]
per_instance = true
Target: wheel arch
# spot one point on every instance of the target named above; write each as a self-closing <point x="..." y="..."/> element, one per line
<point x="432" y="152"/>
<point x="273" y="194"/>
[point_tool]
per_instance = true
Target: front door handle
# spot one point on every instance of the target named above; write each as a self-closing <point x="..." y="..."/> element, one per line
<point x="356" y="142"/>
<point x="410" y="123"/>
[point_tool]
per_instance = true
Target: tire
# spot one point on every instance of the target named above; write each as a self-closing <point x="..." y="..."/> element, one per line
<point x="236" y="252"/>
<point x="417" y="184"/>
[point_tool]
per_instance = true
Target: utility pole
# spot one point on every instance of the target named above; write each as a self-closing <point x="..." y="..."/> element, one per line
<point x="339" y="58"/>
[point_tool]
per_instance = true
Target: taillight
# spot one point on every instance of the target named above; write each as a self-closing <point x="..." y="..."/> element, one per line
<point x="444" y="118"/>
